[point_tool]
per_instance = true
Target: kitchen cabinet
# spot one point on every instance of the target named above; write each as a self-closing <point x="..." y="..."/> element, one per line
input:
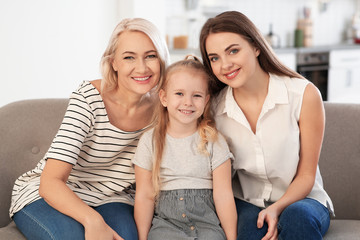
<point x="344" y="76"/>
<point x="288" y="59"/>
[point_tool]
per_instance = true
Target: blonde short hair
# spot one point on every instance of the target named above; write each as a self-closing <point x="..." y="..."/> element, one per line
<point x="109" y="80"/>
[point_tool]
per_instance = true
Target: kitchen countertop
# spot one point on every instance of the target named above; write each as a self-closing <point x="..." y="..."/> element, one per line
<point x="324" y="48"/>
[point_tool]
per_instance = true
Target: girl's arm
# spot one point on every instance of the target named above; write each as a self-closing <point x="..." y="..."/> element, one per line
<point x="57" y="194"/>
<point x="224" y="199"/>
<point x="312" y="125"/>
<point x="144" y="201"/>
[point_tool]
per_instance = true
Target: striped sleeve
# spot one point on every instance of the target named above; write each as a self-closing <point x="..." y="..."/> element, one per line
<point x="77" y="122"/>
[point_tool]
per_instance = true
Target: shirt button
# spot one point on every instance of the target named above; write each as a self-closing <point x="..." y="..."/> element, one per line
<point x="192" y="227"/>
<point x="183" y="215"/>
<point x="181" y="199"/>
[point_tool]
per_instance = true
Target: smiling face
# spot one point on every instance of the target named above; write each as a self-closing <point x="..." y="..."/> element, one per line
<point x="136" y="62"/>
<point x="185" y="97"/>
<point x="233" y="59"/>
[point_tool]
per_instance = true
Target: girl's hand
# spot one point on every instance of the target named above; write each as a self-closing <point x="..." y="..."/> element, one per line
<point x="100" y="231"/>
<point x="269" y="215"/>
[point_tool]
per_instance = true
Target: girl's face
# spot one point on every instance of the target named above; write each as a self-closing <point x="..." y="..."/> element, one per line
<point x="233" y="60"/>
<point x="185" y="97"/>
<point x="136" y="62"/>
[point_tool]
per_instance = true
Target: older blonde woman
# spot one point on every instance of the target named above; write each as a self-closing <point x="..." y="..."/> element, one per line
<point x="83" y="187"/>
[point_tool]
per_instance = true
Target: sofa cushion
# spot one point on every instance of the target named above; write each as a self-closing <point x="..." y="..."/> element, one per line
<point x="343" y="230"/>
<point x="11" y="232"/>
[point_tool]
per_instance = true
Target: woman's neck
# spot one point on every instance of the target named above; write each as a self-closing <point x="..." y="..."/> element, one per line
<point x="127" y="100"/>
<point x="255" y="89"/>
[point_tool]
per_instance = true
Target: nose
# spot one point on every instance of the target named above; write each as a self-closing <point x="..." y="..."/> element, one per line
<point x="188" y="101"/>
<point x="141" y="66"/>
<point x="226" y="63"/>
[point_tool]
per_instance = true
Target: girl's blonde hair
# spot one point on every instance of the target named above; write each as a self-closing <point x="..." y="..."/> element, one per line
<point x="109" y="75"/>
<point x="206" y="124"/>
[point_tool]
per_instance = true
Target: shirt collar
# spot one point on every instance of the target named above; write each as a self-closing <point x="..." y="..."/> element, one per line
<point x="277" y="94"/>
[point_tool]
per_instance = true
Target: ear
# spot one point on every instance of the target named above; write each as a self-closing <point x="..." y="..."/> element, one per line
<point x="114" y="65"/>
<point x="162" y="97"/>
<point x="207" y="98"/>
<point x="257" y="52"/>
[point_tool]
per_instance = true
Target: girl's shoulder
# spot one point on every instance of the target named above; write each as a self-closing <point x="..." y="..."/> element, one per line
<point x="147" y="134"/>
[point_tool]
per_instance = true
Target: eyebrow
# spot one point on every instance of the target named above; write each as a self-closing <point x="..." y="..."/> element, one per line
<point x="226" y="49"/>
<point x="181" y="90"/>
<point x="130" y="52"/>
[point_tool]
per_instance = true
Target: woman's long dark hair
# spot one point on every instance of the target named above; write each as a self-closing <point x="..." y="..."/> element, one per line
<point x="236" y="22"/>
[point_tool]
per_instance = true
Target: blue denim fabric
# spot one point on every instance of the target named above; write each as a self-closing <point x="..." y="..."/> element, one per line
<point x="39" y="221"/>
<point x="306" y="219"/>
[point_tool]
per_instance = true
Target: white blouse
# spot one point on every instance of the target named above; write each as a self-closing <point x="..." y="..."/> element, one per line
<point x="266" y="162"/>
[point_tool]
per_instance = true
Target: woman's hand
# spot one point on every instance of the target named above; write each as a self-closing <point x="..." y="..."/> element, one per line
<point x="270" y="215"/>
<point x="57" y="194"/>
<point x="99" y="230"/>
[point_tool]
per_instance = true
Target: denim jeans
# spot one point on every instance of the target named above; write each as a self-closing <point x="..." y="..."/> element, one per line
<point x="40" y="221"/>
<point x="306" y="219"/>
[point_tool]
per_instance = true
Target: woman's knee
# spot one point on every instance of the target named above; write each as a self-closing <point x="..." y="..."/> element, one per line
<point x="247" y="221"/>
<point x="120" y="217"/>
<point x="304" y="218"/>
<point x="54" y="226"/>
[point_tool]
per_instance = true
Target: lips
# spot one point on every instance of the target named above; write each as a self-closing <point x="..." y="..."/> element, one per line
<point x="186" y="112"/>
<point x="232" y="74"/>
<point x="142" y="79"/>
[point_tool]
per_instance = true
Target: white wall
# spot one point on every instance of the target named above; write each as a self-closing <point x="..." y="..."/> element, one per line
<point x="329" y="26"/>
<point x="47" y="47"/>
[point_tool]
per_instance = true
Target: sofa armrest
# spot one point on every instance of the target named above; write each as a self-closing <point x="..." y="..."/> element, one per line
<point x="26" y="128"/>
<point x="340" y="158"/>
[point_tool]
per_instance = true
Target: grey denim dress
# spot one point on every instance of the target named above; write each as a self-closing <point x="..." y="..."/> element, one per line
<point x="186" y="214"/>
<point x="185" y="207"/>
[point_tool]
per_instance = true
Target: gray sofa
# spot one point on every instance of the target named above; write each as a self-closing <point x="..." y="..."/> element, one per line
<point x="28" y="127"/>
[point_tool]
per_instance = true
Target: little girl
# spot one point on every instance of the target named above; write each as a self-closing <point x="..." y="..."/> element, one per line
<point x="183" y="164"/>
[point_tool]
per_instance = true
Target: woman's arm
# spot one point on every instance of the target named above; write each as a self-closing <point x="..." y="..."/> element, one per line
<point x="312" y="125"/>
<point x="144" y="201"/>
<point x="224" y="199"/>
<point x="57" y="194"/>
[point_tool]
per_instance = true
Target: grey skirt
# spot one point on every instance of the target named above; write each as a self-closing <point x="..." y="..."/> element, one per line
<point x="186" y="214"/>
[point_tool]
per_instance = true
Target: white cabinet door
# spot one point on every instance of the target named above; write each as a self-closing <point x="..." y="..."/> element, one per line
<point x="288" y="59"/>
<point x="344" y="85"/>
<point x="344" y="76"/>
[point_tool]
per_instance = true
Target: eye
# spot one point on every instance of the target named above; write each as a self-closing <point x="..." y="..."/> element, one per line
<point x="179" y="93"/>
<point x="198" y="96"/>
<point x="213" y="59"/>
<point x="129" y="58"/>
<point x="234" y="51"/>
<point x="151" y="56"/>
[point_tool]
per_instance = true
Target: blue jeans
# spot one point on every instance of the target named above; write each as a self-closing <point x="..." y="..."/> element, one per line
<point x="306" y="219"/>
<point x="40" y="221"/>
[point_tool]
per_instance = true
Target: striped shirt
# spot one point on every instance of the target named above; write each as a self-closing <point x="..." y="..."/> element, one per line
<point x="100" y="152"/>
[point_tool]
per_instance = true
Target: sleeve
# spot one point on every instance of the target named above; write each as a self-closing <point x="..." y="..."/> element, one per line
<point x="220" y="152"/>
<point x="144" y="154"/>
<point x="73" y="130"/>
